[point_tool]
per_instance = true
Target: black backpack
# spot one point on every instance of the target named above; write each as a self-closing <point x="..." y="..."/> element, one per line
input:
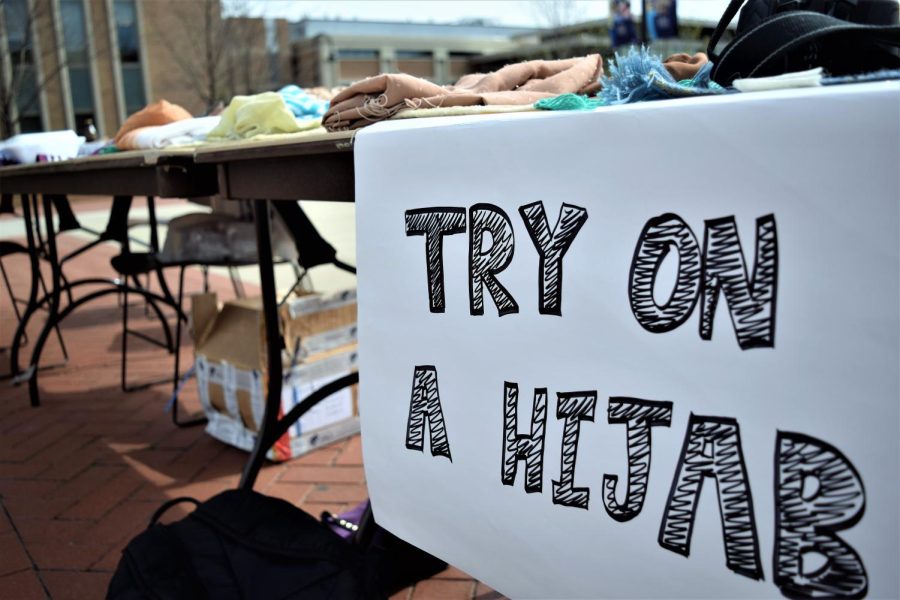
<point x="845" y="37"/>
<point x="244" y="545"/>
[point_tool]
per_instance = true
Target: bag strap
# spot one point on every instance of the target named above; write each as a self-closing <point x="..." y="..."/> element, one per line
<point x="727" y="16"/>
<point x="169" y="504"/>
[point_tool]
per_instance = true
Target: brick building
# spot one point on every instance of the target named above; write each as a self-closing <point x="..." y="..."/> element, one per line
<point x="63" y="62"/>
<point x="336" y="52"/>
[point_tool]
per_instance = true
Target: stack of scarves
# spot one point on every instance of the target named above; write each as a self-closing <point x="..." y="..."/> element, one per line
<point x="381" y="97"/>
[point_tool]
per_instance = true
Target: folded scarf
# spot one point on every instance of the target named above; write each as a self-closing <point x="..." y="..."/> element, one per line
<point x="178" y="133"/>
<point x="248" y="116"/>
<point x="380" y="97"/>
<point x="160" y="112"/>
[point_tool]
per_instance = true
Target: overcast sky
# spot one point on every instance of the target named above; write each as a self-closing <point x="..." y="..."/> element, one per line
<point x="502" y="12"/>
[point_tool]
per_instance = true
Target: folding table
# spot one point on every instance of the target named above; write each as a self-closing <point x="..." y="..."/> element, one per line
<point x="162" y="173"/>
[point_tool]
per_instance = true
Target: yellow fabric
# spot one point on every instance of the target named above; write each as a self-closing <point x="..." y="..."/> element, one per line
<point x="249" y="116"/>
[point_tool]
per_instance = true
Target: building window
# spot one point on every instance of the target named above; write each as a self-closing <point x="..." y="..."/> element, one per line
<point x="130" y="55"/>
<point x="413" y="55"/>
<point x="20" y="46"/>
<point x="78" y="61"/>
<point x="355" y="54"/>
<point x="355" y="64"/>
<point x="418" y="63"/>
<point x="127" y="31"/>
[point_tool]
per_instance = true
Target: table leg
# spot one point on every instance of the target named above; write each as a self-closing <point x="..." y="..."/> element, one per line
<point x="19" y="336"/>
<point x="53" y="312"/>
<point x="154" y="248"/>
<point x="274" y="344"/>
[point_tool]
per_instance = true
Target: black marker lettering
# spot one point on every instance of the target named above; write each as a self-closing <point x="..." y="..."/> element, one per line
<point x="818" y="492"/>
<point x="751" y="302"/>
<point x="425" y="403"/>
<point x="660" y="235"/>
<point x="712" y="448"/>
<point x="485" y="264"/>
<point x="552" y="247"/>
<point x="527" y="447"/>
<point x="574" y="407"/>
<point x="638" y="416"/>
<point x="434" y="224"/>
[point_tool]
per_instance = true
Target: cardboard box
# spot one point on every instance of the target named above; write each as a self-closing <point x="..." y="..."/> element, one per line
<point x="231" y="360"/>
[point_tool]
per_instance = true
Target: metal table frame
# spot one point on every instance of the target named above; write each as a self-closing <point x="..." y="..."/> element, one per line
<point x="312" y="168"/>
<point x="125" y="175"/>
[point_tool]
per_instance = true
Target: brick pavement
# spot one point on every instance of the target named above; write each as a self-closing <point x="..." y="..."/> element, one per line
<point x="81" y="475"/>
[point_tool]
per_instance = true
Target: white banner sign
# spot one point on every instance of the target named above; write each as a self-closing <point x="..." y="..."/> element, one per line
<point x="647" y="351"/>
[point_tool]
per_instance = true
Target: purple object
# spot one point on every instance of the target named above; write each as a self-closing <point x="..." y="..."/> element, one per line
<point x="346" y="523"/>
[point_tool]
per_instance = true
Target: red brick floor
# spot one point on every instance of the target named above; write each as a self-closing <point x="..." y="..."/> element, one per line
<point x="81" y="474"/>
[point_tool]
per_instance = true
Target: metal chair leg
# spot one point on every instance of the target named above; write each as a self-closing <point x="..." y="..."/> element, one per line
<point x="28" y="215"/>
<point x="12" y="299"/>
<point x="123" y="360"/>
<point x="236" y="282"/>
<point x="299" y="275"/>
<point x="59" y="337"/>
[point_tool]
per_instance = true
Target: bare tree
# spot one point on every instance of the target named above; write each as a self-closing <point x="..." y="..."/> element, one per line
<point x="33" y="59"/>
<point x="216" y="55"/>
<point x="557" y="13"/>
<point x="27" y="67"/>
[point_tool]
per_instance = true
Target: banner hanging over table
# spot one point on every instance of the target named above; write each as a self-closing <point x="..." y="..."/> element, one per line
<point x="647" y="351"/>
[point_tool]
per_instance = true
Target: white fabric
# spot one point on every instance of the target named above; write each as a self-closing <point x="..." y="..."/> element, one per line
<point x="179" y="133"/>
<point x="55" y="145"/>
<point x="800" y="79"/>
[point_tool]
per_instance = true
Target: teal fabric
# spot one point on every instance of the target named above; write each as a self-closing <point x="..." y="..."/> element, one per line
<point x="569" y="102"/>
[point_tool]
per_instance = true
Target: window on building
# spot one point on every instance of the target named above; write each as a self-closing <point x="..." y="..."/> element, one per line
<point x="133" y="87"/>
<point x="28" y="102"/>
<point x="413" y="54"/>
<point x="21" y="55"/>
<point x="128" y="32"/>
<point x="355" y="64"/>
<point x="18" y="36"/>
<point x="418" y="63"/>
<point x="78" y="61"/>
<point x="356" y="54"/>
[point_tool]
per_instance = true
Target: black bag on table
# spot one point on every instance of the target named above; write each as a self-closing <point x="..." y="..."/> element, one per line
<point x="845" y="37"/>
<point x="244" y="545"/>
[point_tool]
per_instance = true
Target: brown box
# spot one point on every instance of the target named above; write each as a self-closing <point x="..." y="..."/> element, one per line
<point x="231" y="362"/>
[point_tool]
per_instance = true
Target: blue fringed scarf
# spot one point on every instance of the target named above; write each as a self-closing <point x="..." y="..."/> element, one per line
<point x="639" y="76"/>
